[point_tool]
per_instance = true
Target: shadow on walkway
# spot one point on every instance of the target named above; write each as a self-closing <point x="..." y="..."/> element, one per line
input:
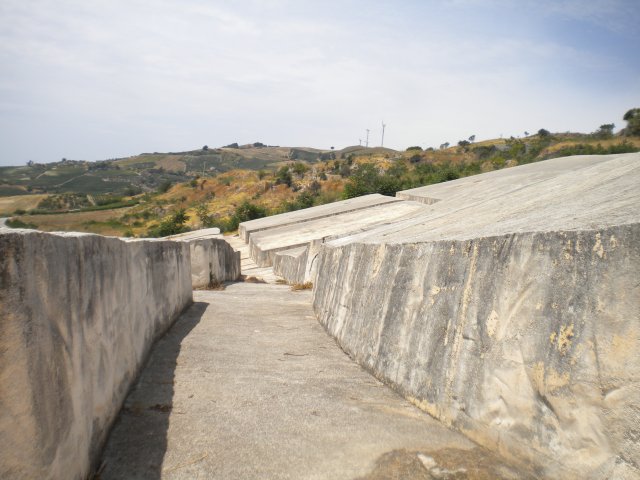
<point x="138" y="441"/>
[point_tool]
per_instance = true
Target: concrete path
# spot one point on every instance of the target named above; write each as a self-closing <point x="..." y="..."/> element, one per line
<point x="247" y="385"/>
<point x="248" y="267"/>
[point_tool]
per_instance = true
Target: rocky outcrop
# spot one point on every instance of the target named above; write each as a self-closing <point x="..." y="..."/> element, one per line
<point x="510" y="313"/>
<point x="78" y="315"/>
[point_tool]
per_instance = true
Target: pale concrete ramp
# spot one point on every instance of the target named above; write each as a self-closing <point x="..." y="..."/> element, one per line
<point x="247" y="385"/>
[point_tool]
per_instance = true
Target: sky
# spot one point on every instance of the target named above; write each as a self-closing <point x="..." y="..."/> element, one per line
<point x="110" y="78"/>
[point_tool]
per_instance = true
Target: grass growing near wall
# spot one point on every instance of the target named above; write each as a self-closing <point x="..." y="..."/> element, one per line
<point x="301" y="286"/>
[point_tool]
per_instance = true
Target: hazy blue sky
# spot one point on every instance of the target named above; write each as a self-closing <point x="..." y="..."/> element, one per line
<point x="108" y="78"/>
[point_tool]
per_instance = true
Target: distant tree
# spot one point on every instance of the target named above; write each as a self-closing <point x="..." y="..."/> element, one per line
<point x="299" y="168"/>
<point x="283" y="176"/>
<point x="172" y="225"/>
<point x="632" y="117"/>
<point x="414" y="148"/>
<point x="261" y="174"/>
<point x="605" y="131"/>
<point x="543" y="132"/>
<point x="332" y="148"/>
<point x="444" y="146"/>
<point x="30" y="163"/>
<point x="232" y="145"/>
<point x="526" y="134"/>
<point x="472" y="138"/>
<point x="463" y="143"/>
<point x="205" y="148"/>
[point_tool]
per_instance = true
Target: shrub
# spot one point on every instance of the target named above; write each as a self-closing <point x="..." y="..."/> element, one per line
<point x="170" y="226"/>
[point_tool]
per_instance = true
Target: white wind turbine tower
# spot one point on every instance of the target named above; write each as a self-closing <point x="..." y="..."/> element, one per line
<point x="367" y="144"/>
<point x="383" y="127"/>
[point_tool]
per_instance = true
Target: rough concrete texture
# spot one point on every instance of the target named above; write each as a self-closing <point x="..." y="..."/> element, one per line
<point x="322" y="211"/>
<point x="513" y="317"/>
<point x="265" y="244"/>
<point x="500" y="182"/>
<point x="78" y="314"/>
<point x="290" y="264"/>
<point x="252" y="393"/>
<point x="213" y="261"/>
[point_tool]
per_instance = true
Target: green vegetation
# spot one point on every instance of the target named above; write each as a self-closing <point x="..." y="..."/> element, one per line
<point x="17" y="223"/>
<point x="172" y="225"/>
<point x="632" y="117"/>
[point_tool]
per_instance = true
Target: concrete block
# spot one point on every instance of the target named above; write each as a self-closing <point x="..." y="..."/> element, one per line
<point x="290" y="218"/>
<point x="78" y="315"/>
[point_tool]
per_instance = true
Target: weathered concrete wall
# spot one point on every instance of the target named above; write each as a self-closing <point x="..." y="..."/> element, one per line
<point x="290" y="264"/>
<point x="213" y="260"/>
<point x="78" y="314"/>
<point x="526" y="342"/>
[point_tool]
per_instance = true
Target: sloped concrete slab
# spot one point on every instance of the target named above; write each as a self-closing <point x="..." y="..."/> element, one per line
<point x="290" y="218"/>
<point x="264" y="244"/>
<point x="509" y="309"/>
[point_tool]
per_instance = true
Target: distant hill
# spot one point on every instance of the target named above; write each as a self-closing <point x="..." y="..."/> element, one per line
<point x="140" y="195"/>
<point x="148" y="171"/>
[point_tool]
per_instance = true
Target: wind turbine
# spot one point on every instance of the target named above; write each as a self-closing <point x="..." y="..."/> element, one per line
<point x="383" y="127"/>
<point x="367" y="144"/>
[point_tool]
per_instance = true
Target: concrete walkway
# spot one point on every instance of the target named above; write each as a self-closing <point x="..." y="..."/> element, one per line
<point x="247" y="385"/>
<point x="248" y="267"/>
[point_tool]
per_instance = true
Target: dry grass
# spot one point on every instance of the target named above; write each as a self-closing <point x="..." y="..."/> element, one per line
<point x="301" y="286"/>
<point x="8" y="205"/>
<point x="78" y="222"/>
<point x="213" y="285"/>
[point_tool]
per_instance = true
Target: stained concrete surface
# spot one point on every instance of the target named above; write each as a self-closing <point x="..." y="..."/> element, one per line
<point x="239" y="393"/>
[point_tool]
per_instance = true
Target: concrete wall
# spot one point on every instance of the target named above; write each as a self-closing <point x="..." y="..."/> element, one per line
<point x="526" y="342"/>
<point x="78" y="314"/>
<point x="213" y="260"/>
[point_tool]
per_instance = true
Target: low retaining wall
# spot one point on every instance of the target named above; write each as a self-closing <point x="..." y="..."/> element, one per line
<point x="527" y="342"/>
<point x="213" y="260"/>
<point x="78" y="315"/>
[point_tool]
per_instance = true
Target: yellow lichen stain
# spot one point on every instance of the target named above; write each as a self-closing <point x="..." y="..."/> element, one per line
<point x="435" y="290"/>
<point x="578" y="246"/>
<point x="492" y="323"/>
<point x="564" y="338"/>
<point x="568" y="248"/>
<point x="598" y="248"/>
<point x="425" y="406"/>
<point x="452" y="250"/>
<point x="554" y="305"/>
<point x="539" y="306"/>
<point x="552" y="337"/>
<point x="613" y="243"/>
